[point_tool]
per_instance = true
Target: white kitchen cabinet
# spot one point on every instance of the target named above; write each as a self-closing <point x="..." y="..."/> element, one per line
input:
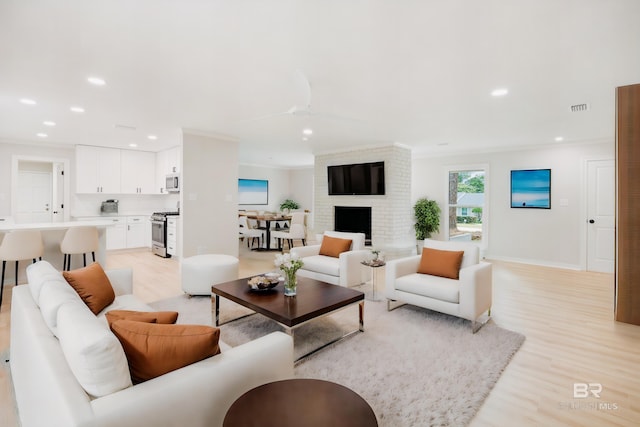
<point x="167" y="162"/>
<point x="172" y="235"/>
<point x="117" y="233"/>
<point x="138" y="171"/>
<point x="97" y="170"/>
<point x="137" y="230"/>
<point x="173" y="160"/>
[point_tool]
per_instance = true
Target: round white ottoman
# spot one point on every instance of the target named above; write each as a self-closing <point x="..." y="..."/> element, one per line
<point x="199" y="272"/>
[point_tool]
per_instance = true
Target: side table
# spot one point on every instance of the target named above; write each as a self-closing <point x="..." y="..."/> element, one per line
<point x="300" y="402"/>
<point x="374" y="263"/>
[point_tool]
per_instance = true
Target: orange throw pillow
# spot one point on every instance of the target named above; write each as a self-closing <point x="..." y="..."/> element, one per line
<point x="441" y="263"/>
<point x="333" y="246"/>
<point x="164" y="317"/>
<point x="154" y="349"/>
<point x="93" y="286"/>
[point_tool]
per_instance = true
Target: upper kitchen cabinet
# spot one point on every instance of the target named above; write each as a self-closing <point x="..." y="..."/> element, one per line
<point x="97" y="169"/>
<point x="167" y="162"/>
<point x="138" y="172"/>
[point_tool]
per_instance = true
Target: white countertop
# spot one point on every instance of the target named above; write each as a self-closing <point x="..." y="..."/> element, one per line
<point x="100" y="223"/>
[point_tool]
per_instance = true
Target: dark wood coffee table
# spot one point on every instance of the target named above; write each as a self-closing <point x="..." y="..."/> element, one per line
<point x="300" y="402"/>
<point x="314" y="299"/>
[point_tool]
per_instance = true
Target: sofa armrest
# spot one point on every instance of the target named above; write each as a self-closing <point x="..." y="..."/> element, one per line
<point x="305" y="251"/>
<point x="400" y="267"/>
<point x="121" y="280"/>
<point x="475" y="290"/>
<point x="199" y="394"/>
<point x="350" y="267"/>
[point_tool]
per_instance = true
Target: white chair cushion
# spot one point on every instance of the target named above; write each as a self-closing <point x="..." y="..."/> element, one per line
<point x="322" y="264"/>
<point x="92" y="351"/>
<point x="39" y="273"/>
<point x="53" y="294"/>
<point x="439" y="288"/>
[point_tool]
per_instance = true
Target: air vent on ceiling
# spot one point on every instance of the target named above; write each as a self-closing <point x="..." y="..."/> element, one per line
<point x="124" y="127"/>
<point x="579" y="107"/>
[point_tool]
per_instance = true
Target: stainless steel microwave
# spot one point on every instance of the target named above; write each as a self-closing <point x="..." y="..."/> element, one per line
<point x="172" y="184"/>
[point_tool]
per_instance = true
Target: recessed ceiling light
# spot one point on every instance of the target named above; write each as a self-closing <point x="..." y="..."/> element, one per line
<point x="559" y="138"/>
<point x="499" y="92"/>
<point x="27" y="101"/>
<point x="307" y="131"/>
<point x="152" y="137"/>
<point x="96" y="81"/>
<point x="42" y="135"/>
<point x="133" y="144"/>
<point x="49" y="123"/>
<point x="77" y="109"/>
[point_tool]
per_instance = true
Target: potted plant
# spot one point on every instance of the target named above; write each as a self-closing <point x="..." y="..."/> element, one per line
<point x="427" y="214"/>
<point x="288" y="205"/>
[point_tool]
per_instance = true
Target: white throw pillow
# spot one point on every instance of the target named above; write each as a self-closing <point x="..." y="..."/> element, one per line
<point x="93" y="352"/>
<point x="53" y="294"/>
<point x="38" y="274"/>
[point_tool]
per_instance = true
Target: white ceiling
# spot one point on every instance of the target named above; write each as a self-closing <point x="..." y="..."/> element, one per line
<point x="413" y="72"/>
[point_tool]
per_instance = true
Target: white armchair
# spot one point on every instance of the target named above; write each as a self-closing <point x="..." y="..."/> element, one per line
<point x="345" y="270"/>
<point x="469" y="297"/>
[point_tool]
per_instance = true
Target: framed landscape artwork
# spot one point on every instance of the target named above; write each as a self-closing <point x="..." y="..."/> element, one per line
<point x="253" y="191"/>
<point x="531" y="188"/>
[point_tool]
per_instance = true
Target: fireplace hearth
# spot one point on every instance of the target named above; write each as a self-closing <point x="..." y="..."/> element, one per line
<point x="353" y="219"/>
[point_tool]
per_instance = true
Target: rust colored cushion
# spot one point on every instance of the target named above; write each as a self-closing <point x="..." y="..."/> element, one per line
<point x="93" y="286"/>
<point x="334" y="246"/>
<point x="153" y="349"/>
<point x="164" y="317"/>
<point x="441" y="263"/>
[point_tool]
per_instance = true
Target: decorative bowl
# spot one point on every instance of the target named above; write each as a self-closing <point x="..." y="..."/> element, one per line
<point x="263" y="283"/>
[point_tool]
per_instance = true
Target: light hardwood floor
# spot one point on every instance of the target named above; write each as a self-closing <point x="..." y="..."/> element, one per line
<point x="567" y="317"/>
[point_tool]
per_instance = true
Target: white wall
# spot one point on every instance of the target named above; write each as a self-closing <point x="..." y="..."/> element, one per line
<point x="209" y="195"/>
<point x="555" y="237"/>
<point x="296" y="184"/>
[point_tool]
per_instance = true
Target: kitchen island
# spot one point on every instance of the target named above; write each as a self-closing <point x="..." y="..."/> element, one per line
<point x="52" y="234"/>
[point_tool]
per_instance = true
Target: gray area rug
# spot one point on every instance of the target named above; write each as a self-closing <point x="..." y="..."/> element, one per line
<point x="415" y="367"/>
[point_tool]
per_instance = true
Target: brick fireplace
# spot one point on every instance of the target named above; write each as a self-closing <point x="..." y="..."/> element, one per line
<point x="391" y="215"/>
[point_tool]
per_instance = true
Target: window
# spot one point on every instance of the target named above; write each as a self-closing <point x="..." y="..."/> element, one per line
<point x="466" y="217"/>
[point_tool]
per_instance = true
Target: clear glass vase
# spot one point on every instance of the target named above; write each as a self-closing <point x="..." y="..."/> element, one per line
<point x="290" y="283"/>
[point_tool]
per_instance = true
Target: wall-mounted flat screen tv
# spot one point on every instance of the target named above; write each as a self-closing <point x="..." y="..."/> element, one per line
<point x="356" y="179"/>
<point x="253" y="191"/>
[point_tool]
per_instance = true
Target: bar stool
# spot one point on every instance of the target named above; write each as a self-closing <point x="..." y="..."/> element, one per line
<point x="19" y="245"/>
<point x="79" y="240"/>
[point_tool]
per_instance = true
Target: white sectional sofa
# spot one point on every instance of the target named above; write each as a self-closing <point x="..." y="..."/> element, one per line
<point x="48" y="392"/>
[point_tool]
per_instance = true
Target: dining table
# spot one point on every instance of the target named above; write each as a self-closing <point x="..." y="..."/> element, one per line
<point x="268" y="219"/>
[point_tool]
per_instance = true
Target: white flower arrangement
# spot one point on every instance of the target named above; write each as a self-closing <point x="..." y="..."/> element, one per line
<point x="287" y="263"/>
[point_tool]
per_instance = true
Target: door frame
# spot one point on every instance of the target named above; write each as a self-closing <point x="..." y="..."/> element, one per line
<point x="584" y="208"/>
<point x="15" y="163"/>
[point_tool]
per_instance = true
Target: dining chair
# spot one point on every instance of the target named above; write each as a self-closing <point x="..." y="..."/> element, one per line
<point x="79" y="240"/>
<point x="297" y="230"/>
<point x="19" y="245"/>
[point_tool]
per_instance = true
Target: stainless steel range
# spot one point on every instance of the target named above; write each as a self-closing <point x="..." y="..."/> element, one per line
<point x="159" y="233"/>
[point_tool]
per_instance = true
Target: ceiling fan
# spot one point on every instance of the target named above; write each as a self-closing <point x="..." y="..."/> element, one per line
<point x="303" y="88"/>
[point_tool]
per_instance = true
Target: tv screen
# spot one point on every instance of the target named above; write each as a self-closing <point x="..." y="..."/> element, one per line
<point x="356" y="179"/>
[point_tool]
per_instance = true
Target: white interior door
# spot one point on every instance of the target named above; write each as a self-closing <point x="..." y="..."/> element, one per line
<point x="601" y="199"/>
<point x="34" y="197"/>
